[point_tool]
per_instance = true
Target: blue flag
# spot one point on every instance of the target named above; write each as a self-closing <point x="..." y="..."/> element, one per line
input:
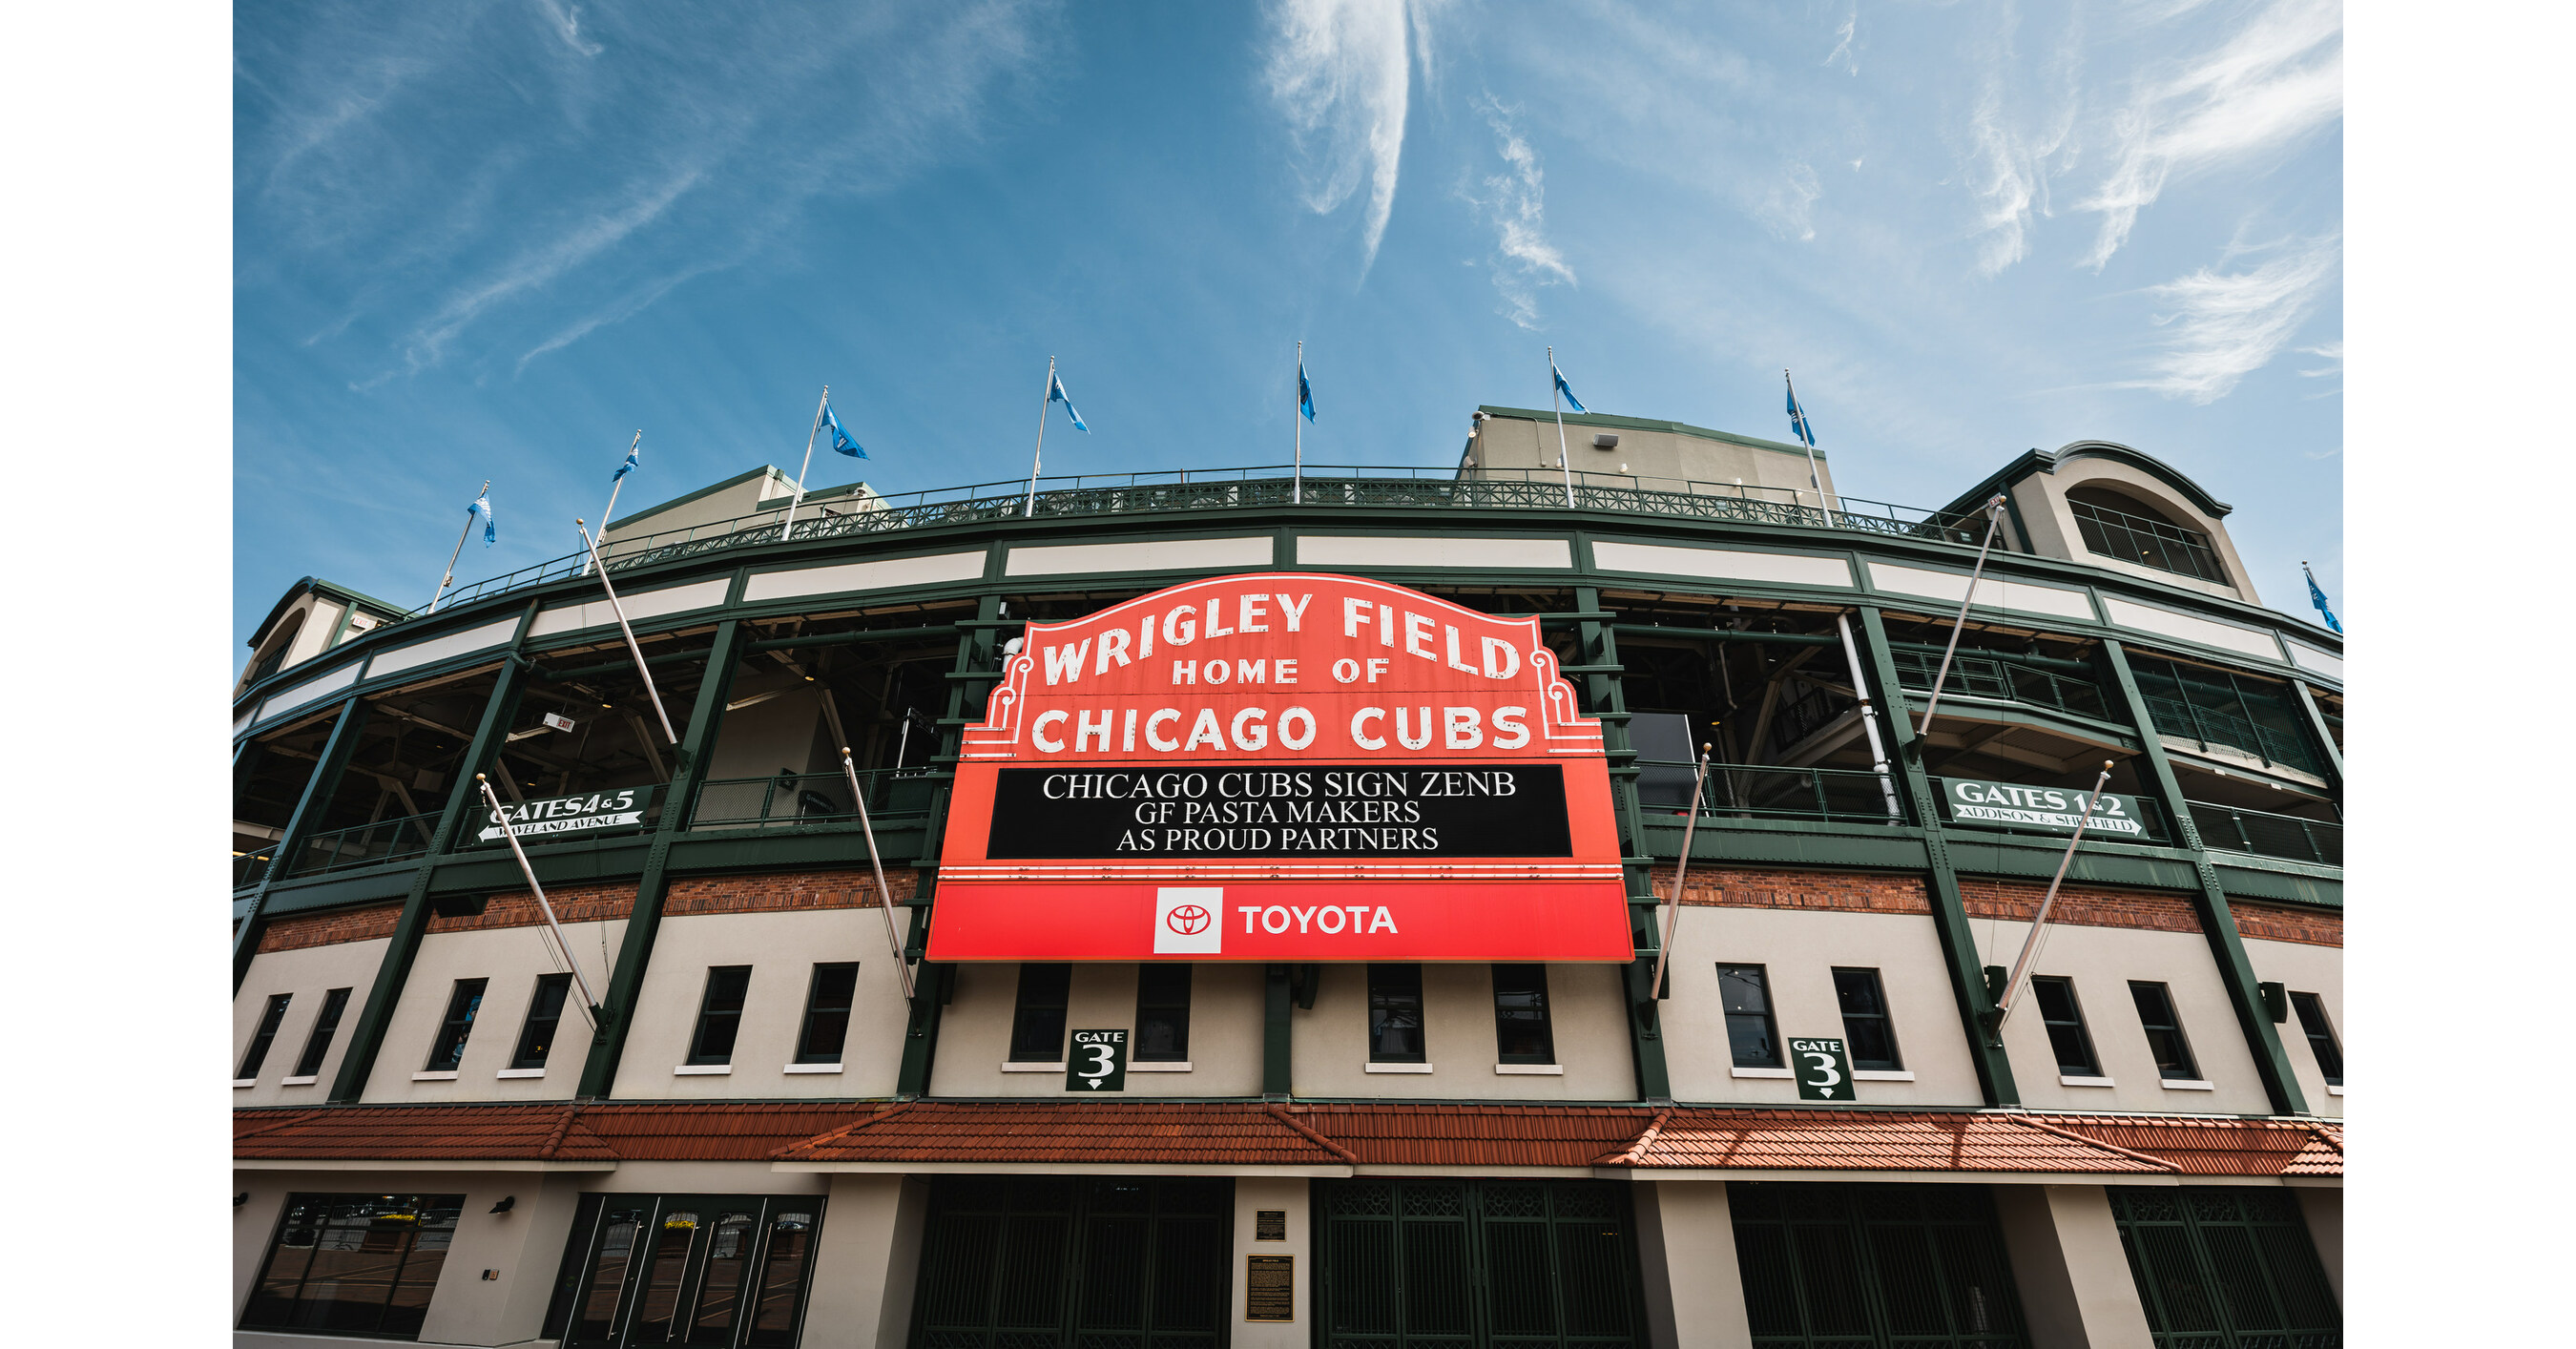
<point x="1799" y="427"/>
<point x="1305" y="396"/>
<point x="2317" y="597"/>
<point x="1561" y="388"/>
<point x="483" y="507"/>
<point x="632" y="453"/>
<point x="841" y="439"/>
<point x="1055" y="394"/>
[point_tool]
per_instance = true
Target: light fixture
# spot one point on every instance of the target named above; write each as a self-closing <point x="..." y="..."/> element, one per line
<point x="508" y="1201"/>
<point x="241" y="1199"/>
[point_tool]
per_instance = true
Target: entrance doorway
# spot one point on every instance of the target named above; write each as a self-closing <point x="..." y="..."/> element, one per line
<point x="724" y="1271"/>
<point x="1054" y="1262"/>
<point x="1476" y="1264"/>
<point x="2226" y="1267"/>
<point x="1873" y="1266"/>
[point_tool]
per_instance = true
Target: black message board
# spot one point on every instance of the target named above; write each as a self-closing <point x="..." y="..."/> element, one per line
<point x="1268" y="810"/>
<point x="1270" y="1288"/>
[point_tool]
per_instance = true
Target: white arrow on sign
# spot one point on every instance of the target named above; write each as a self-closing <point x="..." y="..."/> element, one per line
<point x="1094" y="1084"/>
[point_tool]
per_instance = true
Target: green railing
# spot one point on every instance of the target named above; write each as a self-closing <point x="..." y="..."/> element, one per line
<point x="2000" y="677"/>
<point x="2265" y="834"/>
<point x="365" y="845"/>
<point x="788" y="800"/>
<point x="1748" y="792"/>
<point x="1259" y="488"/>
<point x="2207" y="726"/>
<point x="2151" y="816"/>
<point x="251" y="868"/>
<point x="2149" y="543"/>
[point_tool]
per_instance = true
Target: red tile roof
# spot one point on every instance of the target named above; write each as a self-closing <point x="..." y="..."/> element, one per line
<point x="1177" y="1133"/>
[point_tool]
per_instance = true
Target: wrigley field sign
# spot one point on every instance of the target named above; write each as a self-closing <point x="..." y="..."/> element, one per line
<point x="584" y="813"/>
<point x="2053" y="808"/>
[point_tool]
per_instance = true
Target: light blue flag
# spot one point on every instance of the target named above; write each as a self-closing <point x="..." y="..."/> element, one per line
<point x="841" y="439"/>
<point x="1055" y="394"/>
<point x="1305" y="396"/>
<point x="1799" y="427"/>
<point x="633" y="453"/>
<point x="483" y="507"/>
<point x="1561" y="387"/>
<point x="2317" y="597"/>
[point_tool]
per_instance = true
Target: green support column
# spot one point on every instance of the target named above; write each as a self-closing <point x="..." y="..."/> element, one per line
<point x="2326" y="749"/>
<point x="644" y="921"/>
<point x="1949" y="907"/>
<point x="309" y="809"/>
<point x="1598" y="651"/>
<point x="2217" y="920"/>
<point x="1275" y="1028"/>
<point x="976" y="674"/>
<point x="367" y="1036"/>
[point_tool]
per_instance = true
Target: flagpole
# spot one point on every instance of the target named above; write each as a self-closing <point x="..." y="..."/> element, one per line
<point x="2030" y="944"/>
<point x="1673" y="911"/>
<point x="1030" y="508"/>
<point x="459" y="550"/>
<point x="885" y="897"/>
<point x="631" y="648"/>
<point x="1556" y="399"/>
<point x="590" y="1002"/>
<point x="615" y="483"/>
<point x="1994" y="521"/>
<point x="1297" y="414"/>
<point x="799" y="499"/>
<point x="1807" y="438"/>
<point x="1868" y="715"/>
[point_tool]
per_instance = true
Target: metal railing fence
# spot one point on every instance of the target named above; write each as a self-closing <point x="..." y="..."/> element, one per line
<point x="784" y="800"/>
<point x="2266" y="834"/>
<point x="1770" y="792"/>
<point x="365" y="845"/>
<point x="2000" y="677"/>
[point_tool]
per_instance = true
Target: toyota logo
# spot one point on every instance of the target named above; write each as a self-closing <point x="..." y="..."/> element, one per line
<point x="1187" y="919"/>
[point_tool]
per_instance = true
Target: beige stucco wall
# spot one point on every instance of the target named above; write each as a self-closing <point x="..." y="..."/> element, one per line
<point x="1225" y="1031"/>
<point x="1799" y="951"/>
<point x="2041" y="500"/>
<point x="782" y="949"/>
<point x="1509" y="442"/>
<point x="1686" y="1257"/>
<point x="1329" y="1044"/>
<point x="511" y="959"/>
<point x="866" y="1263"/>
<point x="2305" y="969"/>
<point x="2069" y="1268"/>
<point x="2103" y="961"/>
<point x="308" y="974"/>
<point x="732" y="503"/>
<point x="1251" y="1195"/>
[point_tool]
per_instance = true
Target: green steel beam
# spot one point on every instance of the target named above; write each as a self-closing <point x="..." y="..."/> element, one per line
<point x="2217" y="921"/>
<point x="1949" y="907"/>
<point x="2331" y="754"/>
<point x="929" y="997"/>
<point x="975" y="649"/>
<point x="310" y="807"/>
<point x="1598" y="648"/>
<point x="644" y="921"/>
<point x="367" y="1037"/>
<point x="1275" y="1040"/>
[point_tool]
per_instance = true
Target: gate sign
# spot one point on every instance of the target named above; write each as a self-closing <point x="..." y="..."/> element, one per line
<point x="1098" y="1061"/>
<point x="1282" y="766"/>
<point x="582" y="813"/>
<point x="2054" y="808"/>
<point x="1823" y="1069"/>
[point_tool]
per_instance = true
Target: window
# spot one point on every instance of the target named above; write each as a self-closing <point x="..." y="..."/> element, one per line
<point x="1867" y="1033"/>
<point x="1746" y="994"/>
<point x="1037" y="1023"/>
<point x="827" y="1012"/>
<point x="1163" y="1013"/>
<point x="2065" y="1022"/>
<point x="2164" y="1032"/>
<point x="1521" y="1030"/>
<point x="1395" y="1014"/>
<point x="449" y="1049"/>
<point x="325" y="1026"/>
<point x="719" y="1015"/>
<point x="545" y="1012"/>
<point x="358" y="1264"/>
<point x="2321" y="1040"/>
<point x="261" y="1038"/>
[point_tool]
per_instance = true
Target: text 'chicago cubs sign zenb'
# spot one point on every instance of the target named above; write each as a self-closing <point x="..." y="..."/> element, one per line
<point x="1282" y="766"/>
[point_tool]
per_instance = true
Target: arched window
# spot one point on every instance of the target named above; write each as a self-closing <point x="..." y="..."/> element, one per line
<point x="274" y="655"/>
<point x="2116" y="524"/>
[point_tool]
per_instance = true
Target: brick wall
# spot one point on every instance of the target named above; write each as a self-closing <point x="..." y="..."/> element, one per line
<point x="783" y="893"/>
<point x="602" y="903"/>
<point x="1841" y="892"/>
<point x="2079" y="906"/>
<point x="1864" y="892"/>
<point x="518" y="908"/>
<point x="297" y="931"/>
<point x="2276" y="923"/>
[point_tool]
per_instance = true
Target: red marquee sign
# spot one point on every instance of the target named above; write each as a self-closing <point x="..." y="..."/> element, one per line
<point x="1282" y="766"/>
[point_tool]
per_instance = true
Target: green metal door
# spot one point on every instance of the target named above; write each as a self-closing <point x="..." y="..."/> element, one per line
<point x="1873" y="1266"/>
<point x="1048" y="1262"/>
<point x="1476" y="1264"/>
<point x="2226" y="1268"/>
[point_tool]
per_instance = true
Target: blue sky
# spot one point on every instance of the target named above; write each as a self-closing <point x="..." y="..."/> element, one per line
<point x="494" y="239"/>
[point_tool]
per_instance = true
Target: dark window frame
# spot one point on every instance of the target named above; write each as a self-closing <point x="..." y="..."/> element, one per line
<point x="1163" y="991"/>
<point x="1529" y="977"/>
<point x="1392" y="989"/>
<point x="2320" y="1032"/>
<point x="456" y="1026"/>
<point x="817" y="1023"/>
<point x="2060" y="1029"/>
<point x="1765" y="1016"/>
<point x="538" y="1028"/>
<point x="387" y="1229"/>
<point x="255" y="1054"/>
<point x="2139" y="991"/>
<point x="1045" y="993"/>
<point x="1894" y="1060"/>
<point x="317" y="1041"/>
<point x="714" y="1023"/>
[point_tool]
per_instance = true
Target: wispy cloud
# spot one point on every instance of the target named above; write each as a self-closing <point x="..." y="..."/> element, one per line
<point x="1338" y="70"/>
<point x="1843" y="54"/>
<point x="2277" y="79"/>
<point x="1515" y="205"/>
<point x="2226" y="325"/>
<point x="1787" y="208"/>
<point x="566" y="21"/>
